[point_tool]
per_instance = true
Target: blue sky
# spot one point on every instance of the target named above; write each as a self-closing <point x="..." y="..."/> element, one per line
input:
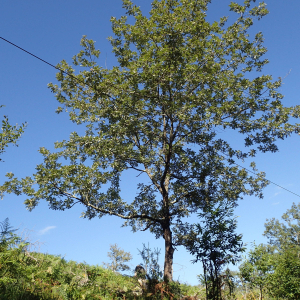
<point x="52" y="30"/>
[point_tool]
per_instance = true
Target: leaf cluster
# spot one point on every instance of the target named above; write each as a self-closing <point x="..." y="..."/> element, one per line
<point x="9" y="133"/>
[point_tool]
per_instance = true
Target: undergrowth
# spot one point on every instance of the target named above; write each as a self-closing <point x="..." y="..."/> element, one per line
<point x="32" y="275"/>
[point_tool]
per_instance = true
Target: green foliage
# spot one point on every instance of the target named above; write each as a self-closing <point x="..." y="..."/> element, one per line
<point x="214" y="243"/>
<point x="257" y="268"/>
<point x="9" y="134"/>
<point x="118" y="258"/>
<point x="150" y="263"/>
<point x="13" y="268"/>
<point x="284" y="282"/>
<point x="6" y="232"/>
<point x="285" y="279"/>
<point x="275" y="268"/>
<point x="286" y="233"/>
<point x="273" y="273"/>
<point x="35" y="276"/>
<point x="179" y="80"/>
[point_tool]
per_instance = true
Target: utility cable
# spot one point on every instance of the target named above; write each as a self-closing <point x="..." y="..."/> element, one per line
<point x="265" y="178"/>
<point x="30" y="54"/>
<point x="44" y="61"/>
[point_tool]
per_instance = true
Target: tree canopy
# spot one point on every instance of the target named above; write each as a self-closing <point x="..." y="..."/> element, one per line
<point x="159" y="112"/>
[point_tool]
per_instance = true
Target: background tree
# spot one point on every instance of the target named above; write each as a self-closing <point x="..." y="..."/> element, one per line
<point x="150" y="263"/>
<point x="285" y="279"/>
<point x="118" y="258"/>
<point x="179" y="80"/>
<point x="275" y="267"/>
<point x="6" y="232"/>
<point x="286" y="233"/>
<point x="257" y="268"/>
<point x="214" y="243"/>
<point x="9" y="134"/>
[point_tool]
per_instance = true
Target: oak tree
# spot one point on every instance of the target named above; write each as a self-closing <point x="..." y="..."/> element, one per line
<point x="179" y="81"/>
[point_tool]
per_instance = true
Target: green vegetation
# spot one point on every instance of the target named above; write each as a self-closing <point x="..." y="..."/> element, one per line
<point x="180" y="81"/>
<point x="34" y="276"/>
<point x="270" y="271"/>
<point x="118" y="258"/>
<point x="9" y="134"/>
<point x="215" y="244"/>
<point x="275" y="268"/>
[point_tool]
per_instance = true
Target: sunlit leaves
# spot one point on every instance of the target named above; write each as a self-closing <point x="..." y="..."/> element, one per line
<point x="9" y="134"/>
<point x="180" y="83"/>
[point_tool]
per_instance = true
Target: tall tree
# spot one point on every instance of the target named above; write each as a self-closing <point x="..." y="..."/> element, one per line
<point x="179" y="80"/>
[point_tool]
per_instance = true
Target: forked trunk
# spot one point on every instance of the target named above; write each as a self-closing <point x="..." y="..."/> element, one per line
<point x="169" y="251"/>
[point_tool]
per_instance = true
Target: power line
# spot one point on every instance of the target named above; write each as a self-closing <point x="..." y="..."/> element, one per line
<point x="44" y="61"/>
<point x="265" y="179"/>
<point x="30" y="53"/>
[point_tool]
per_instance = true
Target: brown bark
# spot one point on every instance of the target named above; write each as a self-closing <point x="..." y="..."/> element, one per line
<point x="169" y="251"/>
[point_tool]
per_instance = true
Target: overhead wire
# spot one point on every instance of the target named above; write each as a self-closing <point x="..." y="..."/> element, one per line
<point x="46" y="62"/>
<point x="81" y="81"/>
<point x="265" y="178"/>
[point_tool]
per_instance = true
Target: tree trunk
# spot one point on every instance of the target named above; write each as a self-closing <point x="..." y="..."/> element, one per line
<point x="169" y="251"/>
<point x="205" y="278"/>
<point x="260" y="290"/>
